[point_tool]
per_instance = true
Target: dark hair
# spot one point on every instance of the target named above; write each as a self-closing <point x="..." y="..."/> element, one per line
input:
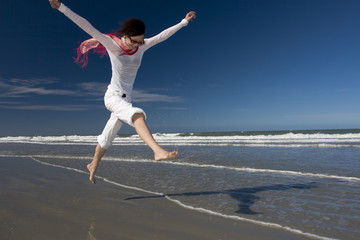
<point x="132" y="27"/>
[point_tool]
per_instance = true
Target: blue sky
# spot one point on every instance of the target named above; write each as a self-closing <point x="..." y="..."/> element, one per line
<point x="241" y="65"/>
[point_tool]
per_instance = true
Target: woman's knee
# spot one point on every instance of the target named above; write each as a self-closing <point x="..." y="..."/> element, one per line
<point x="137" y="116"/>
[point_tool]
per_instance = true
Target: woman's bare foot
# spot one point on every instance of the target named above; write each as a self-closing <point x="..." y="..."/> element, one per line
<point x="99" y="153"/>
<point x="163" y="154"/>
<point x="92" y="171"/>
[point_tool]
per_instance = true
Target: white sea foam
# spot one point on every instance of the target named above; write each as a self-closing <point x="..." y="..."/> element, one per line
<point x="349" y="140"/>
<point x="198" y="209"/>
<point x="243" y="169"/>
<point x="186" y="164"/>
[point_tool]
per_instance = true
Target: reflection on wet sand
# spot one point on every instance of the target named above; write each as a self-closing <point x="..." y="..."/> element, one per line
<point x="91" y="232"/>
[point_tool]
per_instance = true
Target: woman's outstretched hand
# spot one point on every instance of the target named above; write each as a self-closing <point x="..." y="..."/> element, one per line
<point x="55" y="4"/>
<point x="190" y="16"/>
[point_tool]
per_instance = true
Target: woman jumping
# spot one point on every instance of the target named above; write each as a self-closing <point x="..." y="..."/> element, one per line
<point x="125" y="48"/>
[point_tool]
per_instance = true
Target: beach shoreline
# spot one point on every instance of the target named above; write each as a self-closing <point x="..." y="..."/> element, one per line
<point x="45" y="202"/>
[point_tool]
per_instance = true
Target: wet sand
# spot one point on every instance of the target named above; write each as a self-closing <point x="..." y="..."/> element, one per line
<point x="44" y="202"/>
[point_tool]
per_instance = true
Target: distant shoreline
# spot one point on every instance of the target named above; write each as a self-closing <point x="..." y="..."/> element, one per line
<point x="220" y="133"/>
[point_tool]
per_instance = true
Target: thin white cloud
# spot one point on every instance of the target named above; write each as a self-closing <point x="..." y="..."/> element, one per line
<point x="87" y="91"/>
<point x="10" y="103"/>
<point x="93" y="88"/>
<point x="142" y="96"/>
<point x="74" y="107"/>
<point x="343" y="90"/>
<point x="32" y="81"/>
<point x="24" y="87"/>
<point x="40" y="91"/>
<point x="175" y="108"/>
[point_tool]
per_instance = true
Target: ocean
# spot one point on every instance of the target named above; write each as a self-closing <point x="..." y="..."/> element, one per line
<point x="305" y="182"/>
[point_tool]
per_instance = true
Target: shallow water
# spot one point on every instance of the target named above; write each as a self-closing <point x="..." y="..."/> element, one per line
<point x="306" y="183"/>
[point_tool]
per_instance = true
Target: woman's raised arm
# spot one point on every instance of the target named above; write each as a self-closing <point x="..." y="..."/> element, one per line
<point x="170" y="31"/>
<point x="190" y="16"/>
<point x="55" y="4"/>
<point x="106" y="41"/>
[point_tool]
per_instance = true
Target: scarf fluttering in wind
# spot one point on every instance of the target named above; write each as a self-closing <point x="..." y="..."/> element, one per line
<point x="97" y="47"/>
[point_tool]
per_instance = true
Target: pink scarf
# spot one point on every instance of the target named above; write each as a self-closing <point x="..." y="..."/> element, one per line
<point x="87" y="45"/>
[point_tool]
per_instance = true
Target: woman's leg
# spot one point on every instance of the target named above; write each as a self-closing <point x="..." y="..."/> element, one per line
<point x="112" y="127"/>
<point x="145" y="134"/>
<point x="99" y="153"/>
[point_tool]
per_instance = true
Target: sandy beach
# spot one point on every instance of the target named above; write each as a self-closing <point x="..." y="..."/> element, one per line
<point x="45" y="202"/>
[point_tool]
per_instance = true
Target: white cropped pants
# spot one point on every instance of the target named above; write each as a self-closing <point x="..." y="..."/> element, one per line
<point x="122" y="111"/>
